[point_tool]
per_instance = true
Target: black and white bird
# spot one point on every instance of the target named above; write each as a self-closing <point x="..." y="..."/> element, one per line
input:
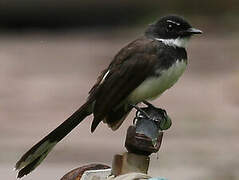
<point x="142" y="70"/>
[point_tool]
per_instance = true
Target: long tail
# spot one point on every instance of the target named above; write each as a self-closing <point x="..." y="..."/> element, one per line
<point x="32" y="158"/>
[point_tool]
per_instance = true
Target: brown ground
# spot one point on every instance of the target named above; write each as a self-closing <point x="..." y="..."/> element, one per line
<point x="45" y="77"/>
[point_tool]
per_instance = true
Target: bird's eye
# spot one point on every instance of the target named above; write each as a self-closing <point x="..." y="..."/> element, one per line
<point x="169" y="27"/>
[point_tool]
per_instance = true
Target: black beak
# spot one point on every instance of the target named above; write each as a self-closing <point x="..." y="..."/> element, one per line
<point x="194" y="31"/>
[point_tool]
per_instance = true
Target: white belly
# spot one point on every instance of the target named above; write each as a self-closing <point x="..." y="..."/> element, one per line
<point x="155" y="86"/>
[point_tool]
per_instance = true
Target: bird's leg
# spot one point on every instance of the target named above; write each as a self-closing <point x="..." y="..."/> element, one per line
<point x="140" y="110"/>
<point x="148" y="104"/>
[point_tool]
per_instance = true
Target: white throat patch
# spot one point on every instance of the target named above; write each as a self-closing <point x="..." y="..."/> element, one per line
<point x="179" y="42"/>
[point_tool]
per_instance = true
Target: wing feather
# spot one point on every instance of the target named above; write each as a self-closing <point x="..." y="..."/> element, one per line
<point x="120" y="82"/>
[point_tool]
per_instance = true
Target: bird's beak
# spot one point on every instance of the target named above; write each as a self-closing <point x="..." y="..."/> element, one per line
<point x="194" y="31"/>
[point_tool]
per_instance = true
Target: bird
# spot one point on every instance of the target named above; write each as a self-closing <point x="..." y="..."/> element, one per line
<point x="140" y="71"/>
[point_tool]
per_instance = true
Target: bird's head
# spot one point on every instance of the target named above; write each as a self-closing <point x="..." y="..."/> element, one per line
<point x="172" y="30"/>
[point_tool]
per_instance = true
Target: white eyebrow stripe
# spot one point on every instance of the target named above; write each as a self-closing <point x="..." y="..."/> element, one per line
<point x="178" y="24"/>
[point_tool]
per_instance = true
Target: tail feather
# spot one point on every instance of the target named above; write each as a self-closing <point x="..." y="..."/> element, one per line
<point x="32" y="158"/>
<point x="24" y="170"/>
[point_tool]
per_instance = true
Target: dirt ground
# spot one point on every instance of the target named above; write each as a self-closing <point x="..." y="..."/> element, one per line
<point x="45" y="77"/>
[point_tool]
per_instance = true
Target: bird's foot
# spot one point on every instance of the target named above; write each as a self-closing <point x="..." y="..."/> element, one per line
<point x="140" y="110"/>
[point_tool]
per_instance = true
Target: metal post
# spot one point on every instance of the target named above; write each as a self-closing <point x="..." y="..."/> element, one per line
<point x="143" y="138"/>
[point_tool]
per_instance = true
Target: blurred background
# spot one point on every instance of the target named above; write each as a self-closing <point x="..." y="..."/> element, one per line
<point x="52" y="51"/>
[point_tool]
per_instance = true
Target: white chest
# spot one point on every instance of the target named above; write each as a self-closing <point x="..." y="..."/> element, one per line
<point x="155" y="86"/>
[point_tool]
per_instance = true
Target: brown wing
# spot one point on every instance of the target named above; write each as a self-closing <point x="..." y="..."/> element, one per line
<point x="129" y="69"/>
